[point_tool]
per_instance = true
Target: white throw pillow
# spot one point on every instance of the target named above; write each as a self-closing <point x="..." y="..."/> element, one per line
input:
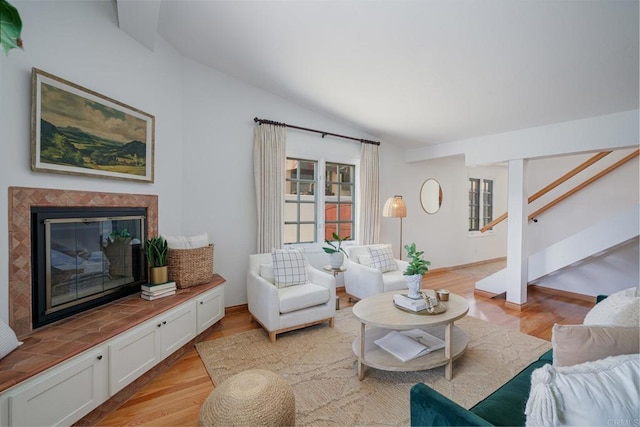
<point x="8" y="339"/>
<point x="588" y="394"/>
<point x="289" y="268"/>
<point x="382" y="259"/>
<point x="188" y="242"/>
<point x="619" y="309"/>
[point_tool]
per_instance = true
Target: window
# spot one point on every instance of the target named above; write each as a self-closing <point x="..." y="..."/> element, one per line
<point x="300" y="217"/>
<point x="338" y="204"/>
<point x="480" y="203"/>
<point x="313" y="216"/>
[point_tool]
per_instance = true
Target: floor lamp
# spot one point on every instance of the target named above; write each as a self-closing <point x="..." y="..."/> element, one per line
<point x="394" y="207"/>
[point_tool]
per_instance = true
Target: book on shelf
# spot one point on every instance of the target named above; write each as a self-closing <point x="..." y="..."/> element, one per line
<point x="153" y="288"/>
<point x="149" y="297"/>
<point x="409" y="303"/>
<point x="409" y="345"/>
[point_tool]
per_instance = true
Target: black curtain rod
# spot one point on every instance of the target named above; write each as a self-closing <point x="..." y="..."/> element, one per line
<point x="323" y="133"/>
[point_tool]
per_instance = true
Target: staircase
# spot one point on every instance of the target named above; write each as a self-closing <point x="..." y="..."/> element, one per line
<point x="599" y="238"/>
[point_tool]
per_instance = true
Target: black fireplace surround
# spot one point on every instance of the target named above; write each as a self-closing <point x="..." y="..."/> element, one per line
<point x="83" y="258"/>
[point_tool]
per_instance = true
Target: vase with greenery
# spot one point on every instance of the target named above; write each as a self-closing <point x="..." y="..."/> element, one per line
<point x="157" y="253"/>
<point x="335" y="251"/>
<point x="417" y="267"/>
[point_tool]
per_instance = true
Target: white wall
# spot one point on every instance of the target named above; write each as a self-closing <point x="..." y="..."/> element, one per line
<point x="219" y="190"/>
<point x="80" y="42"/>
<point x="607" y="196"/>
<point x="444" y="235"/>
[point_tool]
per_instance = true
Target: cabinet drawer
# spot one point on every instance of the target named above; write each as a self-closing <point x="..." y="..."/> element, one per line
<point x="132" y="354"/>
<point x="210" y="308"/>
<point x="62" y="395"/>
<point x="177" y="328"/>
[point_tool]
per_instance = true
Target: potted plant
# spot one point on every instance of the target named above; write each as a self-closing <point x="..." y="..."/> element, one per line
<point x="157" y="252"/>
<point x="417" y="267"/>
<point x="336" y="253"/>
<point x="10" y="28"/>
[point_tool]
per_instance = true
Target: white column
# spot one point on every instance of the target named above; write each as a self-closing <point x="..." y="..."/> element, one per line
<point x="517" y="245"/>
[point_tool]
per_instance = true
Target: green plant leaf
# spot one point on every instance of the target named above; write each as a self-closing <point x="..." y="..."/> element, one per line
<point x="10" y="27"/>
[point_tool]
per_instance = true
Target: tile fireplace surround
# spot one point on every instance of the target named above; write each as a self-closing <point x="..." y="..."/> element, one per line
<point x="21" y="200"/>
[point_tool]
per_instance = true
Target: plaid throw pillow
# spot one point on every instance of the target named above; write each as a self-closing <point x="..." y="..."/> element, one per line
<point x="382" y="259"/>
<point x="289" y="268"/>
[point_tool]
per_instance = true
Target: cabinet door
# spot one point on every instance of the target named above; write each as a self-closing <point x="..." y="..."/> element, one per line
<point x="64" y="394"/>
<point x="132" y="354"/>
<point x="178" y="327"/>
<point x="210" y="307"/>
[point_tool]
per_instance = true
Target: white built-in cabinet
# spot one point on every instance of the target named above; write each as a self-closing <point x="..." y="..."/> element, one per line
<point x="67" y="392"/>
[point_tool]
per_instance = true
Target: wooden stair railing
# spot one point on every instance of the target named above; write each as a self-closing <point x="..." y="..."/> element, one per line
<point x="577" y="188"/>
<point x="563" y="179"/>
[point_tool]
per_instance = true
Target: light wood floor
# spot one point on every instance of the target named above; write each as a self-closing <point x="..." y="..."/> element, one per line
<point x="174" y="397"/>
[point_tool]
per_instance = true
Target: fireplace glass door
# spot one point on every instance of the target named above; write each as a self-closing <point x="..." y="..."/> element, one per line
<point x="90" y="257"/>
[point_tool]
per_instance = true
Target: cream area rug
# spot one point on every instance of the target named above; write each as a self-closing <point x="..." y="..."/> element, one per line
<point x="319" y="364"/>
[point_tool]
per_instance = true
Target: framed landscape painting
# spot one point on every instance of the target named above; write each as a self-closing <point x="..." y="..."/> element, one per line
<point x="80" y="132"/>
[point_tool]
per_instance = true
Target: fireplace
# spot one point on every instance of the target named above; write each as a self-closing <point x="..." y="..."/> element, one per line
<point x="83" y="258"/>
<point x="21" y="201"/>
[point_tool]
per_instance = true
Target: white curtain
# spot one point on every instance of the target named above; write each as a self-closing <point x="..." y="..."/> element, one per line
<point x="369" y="223"/>
<point x="269" y="158"/>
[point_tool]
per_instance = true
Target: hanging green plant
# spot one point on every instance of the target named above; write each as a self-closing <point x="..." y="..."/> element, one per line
<point x="10" y="27"/>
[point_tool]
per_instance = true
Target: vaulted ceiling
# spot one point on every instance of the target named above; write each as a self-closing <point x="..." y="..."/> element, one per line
<point x="415" y="72"/>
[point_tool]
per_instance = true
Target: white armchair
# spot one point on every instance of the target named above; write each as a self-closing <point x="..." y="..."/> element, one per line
<point x="361" y="280"/>
<point x="285" y="309"/>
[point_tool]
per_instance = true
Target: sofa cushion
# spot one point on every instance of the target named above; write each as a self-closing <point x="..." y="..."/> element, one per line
<point x="295" y="298"/>
<point x="574" y="344"/>
<point x="619" y="309"/>
<point x="382" y="259"/>
<point x="394" y="281"/>
<point x="591" y="393"/>
<point x="289" y="268"/>
<point x="505" y="406"/>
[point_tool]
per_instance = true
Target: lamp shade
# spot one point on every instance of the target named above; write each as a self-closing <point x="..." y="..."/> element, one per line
<point x="394" y="207"/>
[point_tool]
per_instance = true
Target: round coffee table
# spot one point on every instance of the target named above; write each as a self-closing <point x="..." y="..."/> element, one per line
<point x="381" y="316"/>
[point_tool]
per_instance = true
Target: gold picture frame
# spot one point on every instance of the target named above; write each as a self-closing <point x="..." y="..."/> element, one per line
<point x="77" y="131"/>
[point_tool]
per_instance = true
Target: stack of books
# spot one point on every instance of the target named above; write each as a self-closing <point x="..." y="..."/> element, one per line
<point x="409" y="303"/>
<point x="151" y="292"/>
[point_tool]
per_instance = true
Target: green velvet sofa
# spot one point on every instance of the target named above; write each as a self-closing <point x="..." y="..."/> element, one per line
<point x="503" y="407"/>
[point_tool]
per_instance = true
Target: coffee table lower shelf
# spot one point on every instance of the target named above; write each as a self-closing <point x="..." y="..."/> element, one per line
<point x="376" y="357"/>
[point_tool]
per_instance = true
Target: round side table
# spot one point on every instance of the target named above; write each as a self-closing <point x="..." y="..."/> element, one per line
<point x="335" y="272"/>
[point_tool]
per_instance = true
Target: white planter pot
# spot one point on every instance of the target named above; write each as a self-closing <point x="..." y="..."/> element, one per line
<point x="336" y="259"/>
<point x="414" y="283"/>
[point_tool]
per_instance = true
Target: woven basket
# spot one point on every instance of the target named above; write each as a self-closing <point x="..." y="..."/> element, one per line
<point x="190" y="267"/>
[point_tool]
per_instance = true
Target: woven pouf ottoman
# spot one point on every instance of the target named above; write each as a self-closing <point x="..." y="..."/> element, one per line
<point x="256" y="397"/>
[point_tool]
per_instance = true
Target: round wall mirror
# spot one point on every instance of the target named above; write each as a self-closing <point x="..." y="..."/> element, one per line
<point x="431" y="196"/>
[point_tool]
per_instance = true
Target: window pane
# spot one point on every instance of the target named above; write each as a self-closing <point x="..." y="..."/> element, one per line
<point x="345" y="229"/>
<point x="290" y="212"/>
<point x="307" y="170"/>
<point x="307" y="212"/>
<point x="290" y="233"/>
<point x="307" y="233"/>
<point x="291" y="187"/>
